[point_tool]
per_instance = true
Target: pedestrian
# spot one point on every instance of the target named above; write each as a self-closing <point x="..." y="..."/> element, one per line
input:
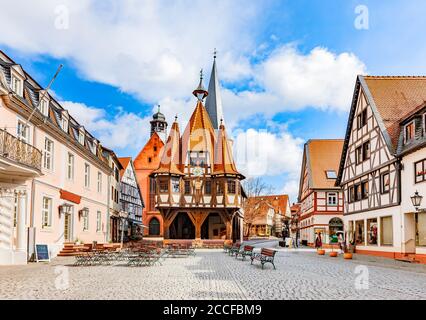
<point x="318" y="241"/>
<point x="341" y="242"/>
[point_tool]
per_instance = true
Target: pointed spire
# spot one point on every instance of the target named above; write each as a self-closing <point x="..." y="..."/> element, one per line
<point x="200" y="93"/>
<point x="224" y="160"/>
<point x="214" y="99"/>
<point x="170" y="159"/>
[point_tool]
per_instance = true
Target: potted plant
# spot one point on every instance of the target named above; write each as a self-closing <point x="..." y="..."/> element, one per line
<point x="333" y="240"/>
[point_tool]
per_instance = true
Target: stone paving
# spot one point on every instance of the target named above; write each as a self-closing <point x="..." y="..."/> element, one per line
<point x="214" y="275"/>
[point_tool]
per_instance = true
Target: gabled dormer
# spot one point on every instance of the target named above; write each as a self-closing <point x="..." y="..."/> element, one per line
<point x="17" y="78"/>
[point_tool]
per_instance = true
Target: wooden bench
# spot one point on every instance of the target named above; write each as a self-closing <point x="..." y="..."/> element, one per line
<point x="235" y="248"/>
<point x="265" y="256"/>
<point x="247" y="251"/>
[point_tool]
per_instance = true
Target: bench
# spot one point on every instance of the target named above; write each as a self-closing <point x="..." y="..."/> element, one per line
<point x="235" y="248"/>
<point x="247" y="251"/>
<point x="265" y="256"/>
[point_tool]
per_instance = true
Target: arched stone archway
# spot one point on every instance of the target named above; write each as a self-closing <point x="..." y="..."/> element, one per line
<point x="334" y="225"/>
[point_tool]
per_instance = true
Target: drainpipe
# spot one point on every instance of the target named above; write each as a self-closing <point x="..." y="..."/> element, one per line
<point x="109" y="208"/>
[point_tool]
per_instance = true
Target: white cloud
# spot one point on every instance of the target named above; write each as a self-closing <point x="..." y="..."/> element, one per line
<point x="124" y="132"/>
<point x="263" y="153"/>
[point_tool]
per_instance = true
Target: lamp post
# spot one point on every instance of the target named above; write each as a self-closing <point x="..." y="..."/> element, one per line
<point x="416" y="200"/>
<point x="123" y="216"/>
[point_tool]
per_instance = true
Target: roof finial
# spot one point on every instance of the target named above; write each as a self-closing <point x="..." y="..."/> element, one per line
<point x="158" y="108"/>
<point x="221" y="121"/>
<point x="214" y="54"/>
<point x="176" y="117"/>
<point x="200" y="93"/>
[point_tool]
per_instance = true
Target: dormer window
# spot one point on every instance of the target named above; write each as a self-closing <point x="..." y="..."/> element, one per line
<point x="409" y="130"/>
<point x="94" y="145"/>
<point x="331" y="174"/>
<point x="17" y="86"/>
<point x="43" y="105"/>
<point x="81" y="137"/>
<point x="64" y="124"/>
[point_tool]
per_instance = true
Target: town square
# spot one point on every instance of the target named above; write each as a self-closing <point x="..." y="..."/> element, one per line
<point x="220" y="155"/>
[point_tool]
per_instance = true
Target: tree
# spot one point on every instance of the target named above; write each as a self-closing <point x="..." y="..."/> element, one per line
<point x="254" y="188"/>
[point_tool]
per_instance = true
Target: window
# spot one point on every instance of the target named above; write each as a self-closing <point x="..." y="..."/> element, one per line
<point x="46" y="212"/>
<point x="409" y="132"/>
<point x="364" y="190"/>
<point x="152" y="191"/>
<point x="149" y="159"/>
<point x="358" y="155"/>
<point x="99" y="182"/>
<point x="155" y="148"/>
<point x="384" y="182"/>
<point x="187" y="187"/>
<point x="48" y="154"/>
<point x="351" y="194"/>
<point x="164" y="186"/>
<point x="44" y="107"/>
<point x="219" y="188"/>
<point x="331" y="174"/>
<point x="85" y="219"/>
<point x="23" y="131"/>
<point x="208" y="187"/>
<point x="17" y="85"/>
<point x="98" y="221"/>
<point x="359" y="232"/>
<point x="362" y="119"/>
<point x="372" y="231"/>
<point x="357" y="192"/>
<point x="386" y="231"/>
<point x="198" y="158"/>
<point x="420" y="229"/>
<point x="366" y="151"/>
<point x="362" y="153"/>
<point x="231" y="187"/>
<point x="64" y="124"/>
<point x="420" y="173"/>
<point x="70" y="167"/>
<point x="175" y="185"/>
<point x="81" y="137"/>
<point x="332" y="198"/>
<point x="87" y="175"/>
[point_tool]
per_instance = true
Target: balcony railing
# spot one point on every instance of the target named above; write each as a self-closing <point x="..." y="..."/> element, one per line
<point x="19" y="151"/>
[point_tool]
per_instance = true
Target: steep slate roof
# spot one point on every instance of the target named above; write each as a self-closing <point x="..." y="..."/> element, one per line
<point x="322" y="155"/>
<point x="214" y="99"/>
<point x="392" y="99"/>
<point x="170" y="162"/>
<point x="224" y="160"/>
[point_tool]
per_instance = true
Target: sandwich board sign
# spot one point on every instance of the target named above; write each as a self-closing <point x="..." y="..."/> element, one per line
<point x="42" y="252"/>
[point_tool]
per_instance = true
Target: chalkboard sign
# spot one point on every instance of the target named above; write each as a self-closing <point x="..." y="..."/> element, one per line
<point x="42" y="252"/>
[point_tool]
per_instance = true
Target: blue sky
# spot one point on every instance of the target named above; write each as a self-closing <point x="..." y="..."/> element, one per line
<point x="287" y="68"/>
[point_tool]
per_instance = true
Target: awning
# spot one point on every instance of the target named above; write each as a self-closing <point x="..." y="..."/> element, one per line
<point x="72" y="197"/>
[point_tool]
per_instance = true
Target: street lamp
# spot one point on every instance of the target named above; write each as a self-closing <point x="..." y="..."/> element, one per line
<point x="123" y="215"/>
<point x="416" y="200"/>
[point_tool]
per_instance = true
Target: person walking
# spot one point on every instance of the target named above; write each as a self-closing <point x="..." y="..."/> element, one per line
<point x="318" y="241"/>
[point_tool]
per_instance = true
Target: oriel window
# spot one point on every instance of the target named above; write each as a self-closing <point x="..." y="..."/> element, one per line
<point x="187" y="187"/>
<point x="231" y="187"/>
<point x="164" y="186"/>
<point x="175" y="185"/>
<point x="208" y="187"/>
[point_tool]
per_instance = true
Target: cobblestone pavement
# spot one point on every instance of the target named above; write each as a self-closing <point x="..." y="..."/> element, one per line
<point x="214" y="275"/>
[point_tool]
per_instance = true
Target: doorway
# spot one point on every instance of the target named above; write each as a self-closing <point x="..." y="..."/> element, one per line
<point x="182" y="227"/>
<point x="67" y="227"/>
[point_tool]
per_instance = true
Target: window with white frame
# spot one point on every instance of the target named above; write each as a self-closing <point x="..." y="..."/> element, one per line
<point x="332" y="198"/>
<point x="17" y="85"/>
<point x="409" y="130"/>
<point x="70" y="166"/>
<point x="85" y="220"/>
<point x="23" y="131"/>
<point x="99" y="182"/>
<point x="81" y="137"/>
<point x="44" y="107"/>
<point x="47" y="212"/>
<point x="87" y="175"/>
<point x="64" y="124"/>
<point x="98" y="221"/>
<point x="48" y="154"/>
